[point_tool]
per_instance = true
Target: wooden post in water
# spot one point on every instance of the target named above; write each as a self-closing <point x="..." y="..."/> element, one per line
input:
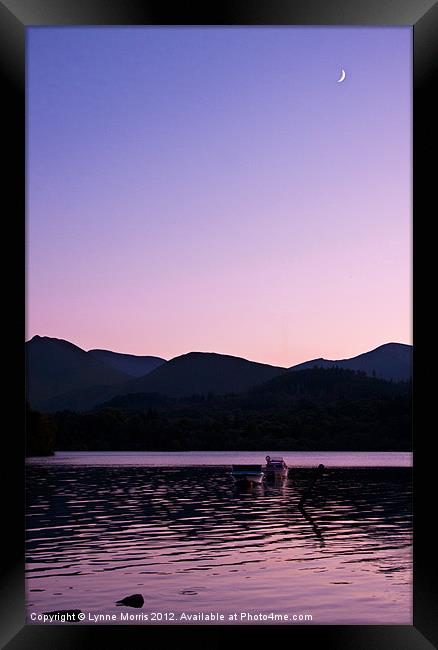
<point x="317" y="474"/>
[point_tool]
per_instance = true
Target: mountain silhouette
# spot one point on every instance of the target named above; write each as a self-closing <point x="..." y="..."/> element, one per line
<point x="202" y="373"/>
<point x="133" y="365"/>
<point x="326" y="385"/>
<point x="388" y="361"/>
<point x="312" y="409"/>
<point x="79" y="399"/>
<point x="55" y="367"/>
<point x="316" y="385"/>
<point x="62" y="376"/>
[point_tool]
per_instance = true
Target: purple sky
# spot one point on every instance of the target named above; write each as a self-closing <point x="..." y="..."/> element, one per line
<point x="216" y="189"/>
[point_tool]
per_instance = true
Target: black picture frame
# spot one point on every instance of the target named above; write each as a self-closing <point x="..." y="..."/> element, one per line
<point x="15" y="17"/>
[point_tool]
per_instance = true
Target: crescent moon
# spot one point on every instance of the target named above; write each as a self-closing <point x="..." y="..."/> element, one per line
<point x="342" y="77"/>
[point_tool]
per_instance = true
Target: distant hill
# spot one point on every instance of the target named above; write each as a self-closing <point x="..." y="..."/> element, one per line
<point x="55" y="367"/>
<point x="311" y="409"/>
<point x="137" y="402"/>
<point x="315" y="385"/>
<point x="133" y="365"/>
<point x="80" y="399"/>
<point x="326" y="385"/>
<point x="62" y="376"/>
<point x="202" y="373"/>
<point x="388" y="361"/>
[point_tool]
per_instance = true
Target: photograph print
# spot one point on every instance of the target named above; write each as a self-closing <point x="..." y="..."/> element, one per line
<point x="218" y="331"/>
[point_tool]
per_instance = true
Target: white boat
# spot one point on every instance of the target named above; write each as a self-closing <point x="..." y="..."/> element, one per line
<point x="276" y="468"/>
<point x="252" y="474"/>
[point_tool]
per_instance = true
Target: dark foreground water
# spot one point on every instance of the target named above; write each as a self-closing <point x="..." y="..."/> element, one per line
<point x="192" y="544"/>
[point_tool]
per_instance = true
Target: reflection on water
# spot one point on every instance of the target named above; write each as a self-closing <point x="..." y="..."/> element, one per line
<point x="189" y="540"/>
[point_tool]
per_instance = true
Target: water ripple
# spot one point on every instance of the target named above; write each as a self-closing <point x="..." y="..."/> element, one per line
<point x="90" y="527"/>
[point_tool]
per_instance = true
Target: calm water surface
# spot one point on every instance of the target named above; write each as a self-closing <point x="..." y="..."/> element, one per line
<point x="173" y="527"/>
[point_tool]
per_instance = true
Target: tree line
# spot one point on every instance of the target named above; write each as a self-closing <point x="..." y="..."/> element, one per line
<point x="314" y="409"/>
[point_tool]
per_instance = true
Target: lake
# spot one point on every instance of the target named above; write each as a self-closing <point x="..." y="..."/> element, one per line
<point x="173" y="527"/>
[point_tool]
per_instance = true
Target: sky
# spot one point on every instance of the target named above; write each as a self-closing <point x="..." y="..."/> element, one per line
<point x="217" y="190"/>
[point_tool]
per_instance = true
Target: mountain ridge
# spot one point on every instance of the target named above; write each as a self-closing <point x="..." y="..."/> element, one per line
<point x="203" y="372"/>
<point x="134" y="365"/>
<point x="61" y="375"/>
<point x="388" y="361"/>
<point x="55" y="366"/>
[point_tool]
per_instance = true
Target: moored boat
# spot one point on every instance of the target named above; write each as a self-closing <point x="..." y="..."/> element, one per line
<point x="250" y="474"/>
<point x="276" y="468"/>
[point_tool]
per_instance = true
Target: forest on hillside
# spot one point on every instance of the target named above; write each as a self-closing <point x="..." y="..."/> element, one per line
<point x="315" y="409"/>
